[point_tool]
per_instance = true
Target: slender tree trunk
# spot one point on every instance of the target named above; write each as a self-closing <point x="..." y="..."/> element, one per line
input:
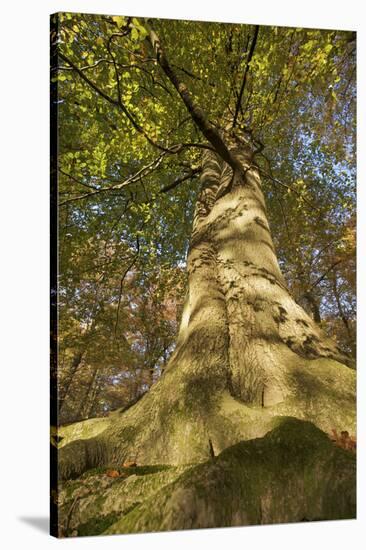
<point x="64" y="392"/>
<point x="89" y="396"/>
<point x="350" y="333"/>
<point x="314" y="304"/>
<point x="93" y="403"/>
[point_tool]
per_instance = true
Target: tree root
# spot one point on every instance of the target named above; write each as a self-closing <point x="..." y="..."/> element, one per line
<point x="294" y="473"/>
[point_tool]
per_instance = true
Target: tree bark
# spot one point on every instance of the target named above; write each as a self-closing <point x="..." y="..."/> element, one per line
<point x="237" y="291"/>
<point x="246" y="351"/>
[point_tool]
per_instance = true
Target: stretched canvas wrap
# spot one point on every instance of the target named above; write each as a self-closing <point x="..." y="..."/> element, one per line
<point x="203" y="274"/>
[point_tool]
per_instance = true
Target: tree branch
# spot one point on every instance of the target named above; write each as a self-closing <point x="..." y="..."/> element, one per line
<point x="113" y="102"/>
<point x="319" y="280"/>
<point x="247" y="66"/>
<point x="177" y="181"/>
<point x="288" y="187"/>
<point x="197" y="114"/>
<point x="130" y="265"/>
<point x="144" y="171"/>
<point x="79" y="182"/>
<point x="120" y="185"/>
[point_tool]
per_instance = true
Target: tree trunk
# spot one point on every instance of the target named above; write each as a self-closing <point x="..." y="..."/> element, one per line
<point x="89" y="396"/>
<point x="64" y="392"/>
<point x="314" y="304"/>
<point x="351" y="335"/>
<point x="246" y="351"/>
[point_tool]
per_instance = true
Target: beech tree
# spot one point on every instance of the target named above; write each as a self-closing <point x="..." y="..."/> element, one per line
<point x="227" y="129"/>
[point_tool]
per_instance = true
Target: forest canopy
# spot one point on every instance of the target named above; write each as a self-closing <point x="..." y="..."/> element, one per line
<point x="133" y="124"/>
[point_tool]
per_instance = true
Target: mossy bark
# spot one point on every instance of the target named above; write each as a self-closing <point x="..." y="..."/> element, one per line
<point x="174" y="422"/>
<point x="294" y="473"/>
<point x="87" y="504"/>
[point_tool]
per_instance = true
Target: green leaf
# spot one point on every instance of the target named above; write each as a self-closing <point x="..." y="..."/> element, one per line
<point x="134" y="34"/>
<point x="120" y="20"/>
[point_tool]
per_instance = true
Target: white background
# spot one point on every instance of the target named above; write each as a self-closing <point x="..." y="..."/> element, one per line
<point x="24" y="233"/>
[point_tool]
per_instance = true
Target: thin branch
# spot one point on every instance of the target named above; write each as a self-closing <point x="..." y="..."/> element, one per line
<point x="119" y="104"/>
<point x="86" y="68"/>
<point x="122" y="281"/>
<point x="144" y="171"/>
<point x="180" y="180"/>
<point x="115" y="224"/>
<point x="85" y="196"/>
<point x="317" y="255"/>
<point x="277" y="196"/>
<point x="283" y="214"/>
<point x="115" y="63"/>
<point x="319" y="280"/>
<point x="120" y="66"/>
<point x="78" y="181"/>
<point x="197" y="145"/>
<point x="275" y="180"/>
<point x="247" y="66"/>
<point x="191" y="75"/>
<point x="88" y="81"/>
<point x="120" y="185"/>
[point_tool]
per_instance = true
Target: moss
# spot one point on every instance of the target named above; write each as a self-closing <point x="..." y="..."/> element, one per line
<point x="293" y="473"/>
<point x="83" y="430"/>
<point x="325" y="394"/>
<point x="96" y="495"/>
<point x="100" y="470"/>
<point x="79" y="456"/>
<point x="99" y="501"/>
<point x="145" y="470"/>
<point x="70" y="487"/>
<point x="97" y="525"/>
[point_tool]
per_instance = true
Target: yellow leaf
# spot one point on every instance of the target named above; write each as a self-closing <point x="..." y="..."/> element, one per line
<point x="119" y="19"/>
